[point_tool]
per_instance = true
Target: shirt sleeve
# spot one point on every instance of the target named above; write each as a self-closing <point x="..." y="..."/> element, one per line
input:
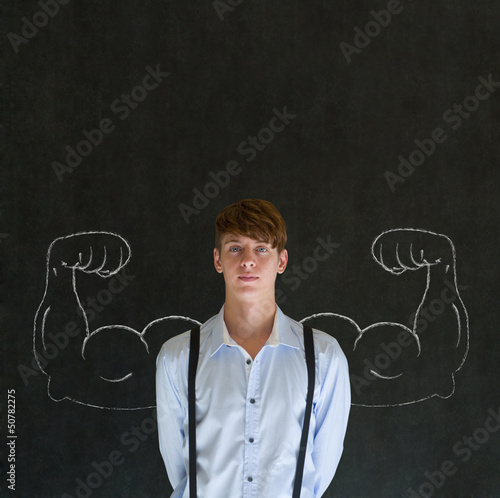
<point x="331" y="413"/>
<point x="171" y="416"/>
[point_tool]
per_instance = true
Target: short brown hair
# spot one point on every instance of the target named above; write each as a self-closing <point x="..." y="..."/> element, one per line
<point x="254" y="218"/>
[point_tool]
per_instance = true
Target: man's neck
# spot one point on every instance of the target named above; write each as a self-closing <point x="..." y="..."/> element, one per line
<point x="250" y="323"/>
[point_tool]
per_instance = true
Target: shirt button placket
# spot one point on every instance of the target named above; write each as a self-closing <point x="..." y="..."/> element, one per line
<point x="252" y="429"/>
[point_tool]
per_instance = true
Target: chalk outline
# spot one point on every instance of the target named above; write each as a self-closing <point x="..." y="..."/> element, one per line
<point x="394" y="270"/>
<point x="81" y="266"/>
<point x="399" y="271"/>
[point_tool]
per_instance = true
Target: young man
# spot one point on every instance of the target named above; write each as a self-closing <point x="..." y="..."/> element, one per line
<point x="252" y="380"/>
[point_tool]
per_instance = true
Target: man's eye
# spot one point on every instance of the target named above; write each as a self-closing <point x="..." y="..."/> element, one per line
<point x="262" y="249"/>
<point x="234" y="249"/>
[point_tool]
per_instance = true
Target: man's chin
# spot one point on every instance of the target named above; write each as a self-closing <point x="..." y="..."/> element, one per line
<point x="252" y="293"/>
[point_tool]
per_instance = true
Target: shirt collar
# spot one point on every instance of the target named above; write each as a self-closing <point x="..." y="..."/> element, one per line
<point x="282" y="332"/>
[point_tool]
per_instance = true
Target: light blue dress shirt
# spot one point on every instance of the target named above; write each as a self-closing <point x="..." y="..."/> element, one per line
<point x="249" y="413"/>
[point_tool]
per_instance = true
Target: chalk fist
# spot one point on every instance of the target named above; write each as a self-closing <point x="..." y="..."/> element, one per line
<point x="102" y="253"/>
<point x="410" y="249"/>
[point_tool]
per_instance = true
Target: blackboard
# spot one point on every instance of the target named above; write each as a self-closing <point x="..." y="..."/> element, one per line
<point x="136" y="123"/>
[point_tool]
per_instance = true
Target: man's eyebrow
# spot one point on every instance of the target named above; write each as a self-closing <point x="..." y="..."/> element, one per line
<point x="238" y="241"/>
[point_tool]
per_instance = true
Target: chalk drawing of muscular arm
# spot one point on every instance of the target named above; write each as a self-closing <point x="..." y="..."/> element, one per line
<point x="104" y="368"/>
<point x="391" y="364"/>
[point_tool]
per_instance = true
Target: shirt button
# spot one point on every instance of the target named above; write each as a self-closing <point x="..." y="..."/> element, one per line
<point x="252" y="401"/>
<point x="251" y="439"/>
<point x="249" y="361"/>
<point x="250" y="479"/>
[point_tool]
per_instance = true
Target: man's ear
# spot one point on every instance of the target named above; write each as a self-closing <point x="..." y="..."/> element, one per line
<point x="217" y="262"/>
<point x="282" y="261"/>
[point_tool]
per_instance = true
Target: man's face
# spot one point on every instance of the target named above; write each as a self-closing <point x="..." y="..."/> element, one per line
<point x="249" y="266"/>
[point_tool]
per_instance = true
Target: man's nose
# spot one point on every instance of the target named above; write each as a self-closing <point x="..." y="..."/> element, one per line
<point x="248" y="259"/>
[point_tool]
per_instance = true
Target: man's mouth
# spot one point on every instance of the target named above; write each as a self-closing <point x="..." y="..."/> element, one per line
<point x="248" y="277"/>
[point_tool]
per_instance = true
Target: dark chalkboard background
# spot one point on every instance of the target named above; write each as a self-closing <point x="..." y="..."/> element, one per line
<point x="230" y="65"/>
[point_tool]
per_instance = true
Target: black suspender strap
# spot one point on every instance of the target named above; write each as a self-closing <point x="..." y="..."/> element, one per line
<point x="310" y="363"/>
<point x="194" y="350"/>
